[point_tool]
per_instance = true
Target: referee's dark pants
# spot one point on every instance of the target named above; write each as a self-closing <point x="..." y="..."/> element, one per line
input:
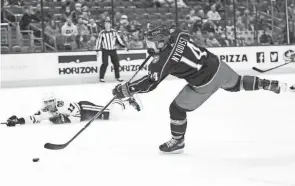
<point x="115" y="60"/>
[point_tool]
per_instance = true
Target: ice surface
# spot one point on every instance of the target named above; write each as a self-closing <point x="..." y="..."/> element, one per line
<point x="234" y="139"/>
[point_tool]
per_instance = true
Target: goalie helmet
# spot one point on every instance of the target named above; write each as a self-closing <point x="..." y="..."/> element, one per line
<point x="157" y="37"/>
<point x="49" y="101"/>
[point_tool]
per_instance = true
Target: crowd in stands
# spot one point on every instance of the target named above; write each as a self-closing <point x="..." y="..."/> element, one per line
<point x="75" y="24"/>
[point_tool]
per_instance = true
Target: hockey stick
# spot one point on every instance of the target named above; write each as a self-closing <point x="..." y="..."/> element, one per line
<point x="52" y="146"/>
<point x="262" y="71"/>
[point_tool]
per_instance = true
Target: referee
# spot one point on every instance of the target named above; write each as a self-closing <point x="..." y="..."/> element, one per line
<point x="106" y="41"/>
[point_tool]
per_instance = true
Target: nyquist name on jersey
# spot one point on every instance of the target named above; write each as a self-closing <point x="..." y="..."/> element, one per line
<point x="233" y="58"/>
<point x="129" y="68"/>
<point x="78" y="70"/>
<point x="176" y="56"/>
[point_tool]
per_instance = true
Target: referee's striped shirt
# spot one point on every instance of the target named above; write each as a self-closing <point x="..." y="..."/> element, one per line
<point x="107" y="40"/>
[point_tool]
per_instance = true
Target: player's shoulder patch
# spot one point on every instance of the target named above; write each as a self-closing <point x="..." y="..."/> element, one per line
<point x="60" y="103"/>
<point x="156" y="59"/>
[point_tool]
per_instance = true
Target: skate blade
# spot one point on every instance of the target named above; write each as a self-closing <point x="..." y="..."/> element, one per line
<point x="178" y="151"/>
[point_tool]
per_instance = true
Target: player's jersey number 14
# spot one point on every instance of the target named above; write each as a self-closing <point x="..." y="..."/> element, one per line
<point x="196" y="54"/>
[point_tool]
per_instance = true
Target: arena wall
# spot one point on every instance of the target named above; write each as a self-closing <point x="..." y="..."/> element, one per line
<point x="42" y="69"/>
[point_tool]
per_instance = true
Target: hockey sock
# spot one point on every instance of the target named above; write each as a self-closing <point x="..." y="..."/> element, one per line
<point x="178" y="122"/>
<point x="249" y="83"/>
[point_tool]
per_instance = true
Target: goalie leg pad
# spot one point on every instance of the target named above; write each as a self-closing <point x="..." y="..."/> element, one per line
<point x="178" y="122"/>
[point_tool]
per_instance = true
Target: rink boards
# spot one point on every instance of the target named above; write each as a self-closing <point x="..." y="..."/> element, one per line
<point x="39" y="69"/>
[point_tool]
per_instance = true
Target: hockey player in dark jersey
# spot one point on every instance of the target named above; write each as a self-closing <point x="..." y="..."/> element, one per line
<point x="59" y="111"/>
<point x="175" y="54"/>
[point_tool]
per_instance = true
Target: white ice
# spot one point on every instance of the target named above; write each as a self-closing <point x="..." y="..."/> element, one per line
<point x="234" y="139"/>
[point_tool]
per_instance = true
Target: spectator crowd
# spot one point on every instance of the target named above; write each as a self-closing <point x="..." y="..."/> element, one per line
<point x="75" y="24"/>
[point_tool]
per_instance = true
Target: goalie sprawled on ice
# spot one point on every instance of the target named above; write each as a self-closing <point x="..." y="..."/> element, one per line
<point x="60" y="111"/>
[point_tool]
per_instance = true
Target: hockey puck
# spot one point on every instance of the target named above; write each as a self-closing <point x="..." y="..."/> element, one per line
<point x="35" y="159"/>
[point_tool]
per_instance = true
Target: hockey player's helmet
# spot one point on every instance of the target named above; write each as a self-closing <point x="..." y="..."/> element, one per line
<point x="49" y="101"/>
<point x="157" y="37"/>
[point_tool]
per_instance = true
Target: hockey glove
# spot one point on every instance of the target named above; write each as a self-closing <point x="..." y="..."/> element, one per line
<point x="59" y="119"/>
<point x="13" y="120"/>
<point x="122" y="91"/>
<point x="151" y="51"/>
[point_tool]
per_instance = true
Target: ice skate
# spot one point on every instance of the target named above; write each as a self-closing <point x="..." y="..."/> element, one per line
<point x="274" y="86"/>
<point x="174" y="146"/>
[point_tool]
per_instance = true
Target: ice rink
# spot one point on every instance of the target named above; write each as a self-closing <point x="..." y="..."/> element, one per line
<point x="234" y="139"/>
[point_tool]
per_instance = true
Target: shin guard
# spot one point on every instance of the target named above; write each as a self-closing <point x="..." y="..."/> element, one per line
<point x="178" y="122"/>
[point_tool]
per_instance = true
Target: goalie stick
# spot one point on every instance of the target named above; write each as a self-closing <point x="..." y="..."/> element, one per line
<point x="52" y="146"/>
<point x="262" y="71"/>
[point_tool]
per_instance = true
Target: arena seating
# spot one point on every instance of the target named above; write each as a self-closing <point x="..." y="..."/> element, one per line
<point x="137" y="12"/>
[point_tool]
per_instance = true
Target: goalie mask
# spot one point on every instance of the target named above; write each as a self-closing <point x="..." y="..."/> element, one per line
<point x="157" y="38"/>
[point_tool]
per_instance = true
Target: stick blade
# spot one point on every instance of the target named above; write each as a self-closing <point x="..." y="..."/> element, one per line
<point x="258" y="70"/>
<point x="55" y="146"/>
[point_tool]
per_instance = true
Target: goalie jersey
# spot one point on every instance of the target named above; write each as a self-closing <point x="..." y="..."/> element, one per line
<point x="71" y="110"/>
